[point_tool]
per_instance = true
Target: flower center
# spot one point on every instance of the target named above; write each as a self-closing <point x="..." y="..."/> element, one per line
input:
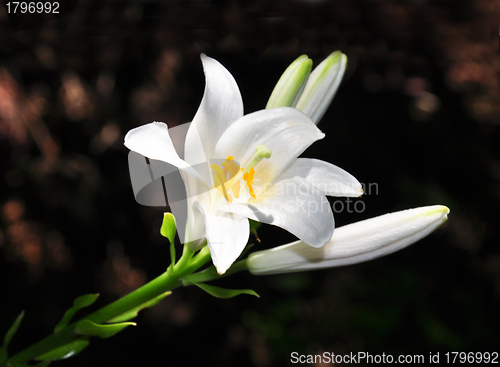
<point x="229" y="175"/>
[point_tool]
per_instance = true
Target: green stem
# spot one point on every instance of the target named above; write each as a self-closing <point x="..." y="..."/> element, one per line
<point x="210" y="273"/>
<point x="167" y="281"/>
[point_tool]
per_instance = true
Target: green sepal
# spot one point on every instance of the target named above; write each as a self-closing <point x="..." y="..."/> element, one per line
<point x="224" y="293"/>
<point x="168" y="227"/>
<point x="79" y="303"/>
<point x="133" y="312"/>
<point x="67" y="350"/>
<point x="8" y="337"/>
<point x="89" y="328"/>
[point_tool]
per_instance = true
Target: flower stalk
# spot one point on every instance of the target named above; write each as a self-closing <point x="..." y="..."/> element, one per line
<point x="167" y="281"/>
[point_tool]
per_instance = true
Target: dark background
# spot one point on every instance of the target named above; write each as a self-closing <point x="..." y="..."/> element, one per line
<point x="417" y="114"/>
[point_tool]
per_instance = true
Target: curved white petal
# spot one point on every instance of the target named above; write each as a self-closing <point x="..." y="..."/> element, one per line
<point x="322" y="86"/>
<point x="227" y="235"/>
<point x="354" y="243"/>
<point x="153" y="141"/>
<point x="286" y="131"/>
<point x="220" y="107"/>
<point x="295" y="205"/>
<point x="330" y="179"/>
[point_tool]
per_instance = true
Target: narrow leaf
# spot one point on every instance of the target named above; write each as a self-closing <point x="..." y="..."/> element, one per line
<point x="8" y="337"/>
<point x="87" y="327"/>
<point x="133" y="312"/>
<point x="224" y="293"/>
<point x="79" y="303"/>
<point x="67" y="350"/>
<point x="85" y="301"/>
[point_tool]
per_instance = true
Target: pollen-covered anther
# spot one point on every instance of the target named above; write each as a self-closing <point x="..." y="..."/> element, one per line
<point x="228" y="177"/>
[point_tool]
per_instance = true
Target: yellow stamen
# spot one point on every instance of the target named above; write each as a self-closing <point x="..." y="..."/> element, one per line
<point x="248" y="177"/>
<point x="229" y="176"/>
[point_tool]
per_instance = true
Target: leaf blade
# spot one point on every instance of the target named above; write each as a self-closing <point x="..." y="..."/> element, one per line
<point x="224" y="293"/>
<point x="64" y="351"/>
<point x="89" y="328"/>
<point x="135" y="311"/>
<point x="9" y="335"/>
<point x="80" y="302"/>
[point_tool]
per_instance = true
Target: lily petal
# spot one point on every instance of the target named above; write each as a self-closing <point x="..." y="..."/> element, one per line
<point x="153" y="141"/>
<point x="295" y="205"/>
<point x="227" y="236"/>
<point x="220" y="107"/>
<point x="353" y="243"/>
<point x="330" y="179"/>
<point x="286" y="131"/>
<point x="322" y="86"/>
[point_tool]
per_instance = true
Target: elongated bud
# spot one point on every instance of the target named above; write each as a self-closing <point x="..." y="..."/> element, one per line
<point x="354" y="243"/>
<point x="322" y="86"/>
<point x="287" y="91"/>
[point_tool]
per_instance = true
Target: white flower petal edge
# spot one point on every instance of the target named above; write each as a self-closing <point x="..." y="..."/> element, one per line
<point x="153" y="141"/>
<point x="227" y="235"/>
<point x="220" y="107"/>
<point x="353" y="243"/>
<point x="286" y="131"/>
<point x="297" y="206"/>
<point x="330" y="179"/>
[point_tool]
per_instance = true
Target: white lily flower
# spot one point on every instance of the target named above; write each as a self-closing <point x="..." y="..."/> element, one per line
<point x="313" y="97"/>
<point x="353" y="243"/>
<point x="260" y="176"/>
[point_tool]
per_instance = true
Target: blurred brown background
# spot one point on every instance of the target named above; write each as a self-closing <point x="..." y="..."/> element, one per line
<point x="417" y="114"/>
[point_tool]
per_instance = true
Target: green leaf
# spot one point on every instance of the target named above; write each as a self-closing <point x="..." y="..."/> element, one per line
<point x="67" y="350"/>
<point x="168" y="227"/>
<point x="79" y="303"/>
<point x="133" y="312"/>
<point x="8" y="337"/>
<point x="224" y="293"/>
<point x="87" y="327"/>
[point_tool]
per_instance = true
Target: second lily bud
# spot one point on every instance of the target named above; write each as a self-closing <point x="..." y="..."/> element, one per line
<point x="309" y="92"/>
